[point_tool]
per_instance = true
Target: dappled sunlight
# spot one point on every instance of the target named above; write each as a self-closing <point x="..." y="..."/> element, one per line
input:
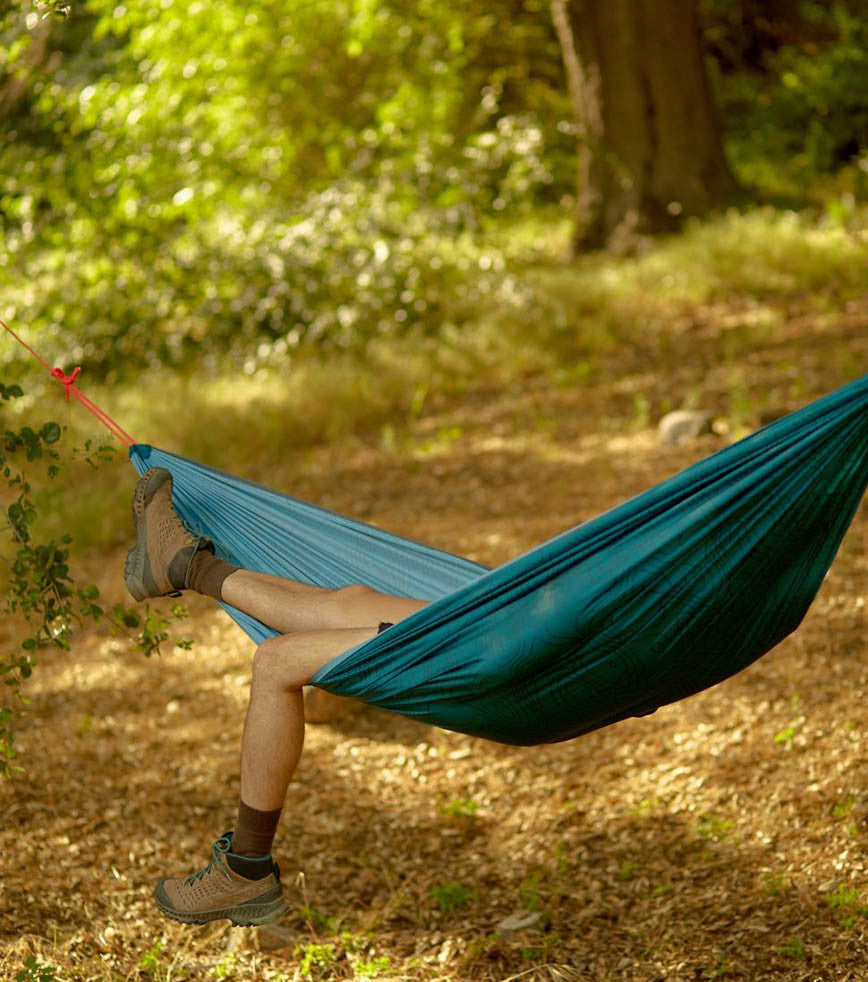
<point x="745" y="800"/>
<point x="342" y="250"/>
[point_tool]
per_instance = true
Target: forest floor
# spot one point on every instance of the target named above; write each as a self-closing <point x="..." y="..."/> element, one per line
<point x="724" y="837"/>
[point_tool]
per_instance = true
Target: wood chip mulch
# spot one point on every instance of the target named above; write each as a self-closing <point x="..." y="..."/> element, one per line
<point x="722" y="838"/>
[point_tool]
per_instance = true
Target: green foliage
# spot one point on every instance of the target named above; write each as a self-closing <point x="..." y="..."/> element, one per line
<point x="318" y="921"/>
<point x="451" y="895"/>
<point x="152" y="626"/>
<point x="627" y="870"/>
<point x="776" y="883"/>
<point x="459" y="808"/>
<point x="40" y="591"/>
<point x="36" y="971"/>
<point x="260" y="175"/>
<point x="844" y="806"/>
<point x="183" y="183"/>
<point x="151" y="963"/>
<point x="226" y="967"/>
<point x="39" y="588"/>
<point x="528" y="892"/>
<point x="847" y="901"/>
<point x="371" y="968"/>
<point x="796" y="102"/>
<point x="714" y="827"/>
<point x="314" y="958"/>
<point x="794" y="948"/>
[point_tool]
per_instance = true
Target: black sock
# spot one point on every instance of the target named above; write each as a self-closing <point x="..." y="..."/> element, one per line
<point x="250" y="869"/>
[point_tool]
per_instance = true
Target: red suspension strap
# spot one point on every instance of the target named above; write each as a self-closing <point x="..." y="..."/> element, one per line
<point x="69" y="387"/>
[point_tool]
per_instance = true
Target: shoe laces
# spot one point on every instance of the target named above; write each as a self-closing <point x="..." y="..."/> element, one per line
<point x="219" y="848"/>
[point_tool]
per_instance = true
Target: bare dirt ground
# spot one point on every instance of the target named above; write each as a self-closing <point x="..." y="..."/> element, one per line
<point x="722" y="838"/>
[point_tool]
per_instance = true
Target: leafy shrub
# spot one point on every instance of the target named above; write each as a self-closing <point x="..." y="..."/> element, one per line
<point x="40" y="591"/>
<point x="166" y="196"/>
<point x="807" y="113"/>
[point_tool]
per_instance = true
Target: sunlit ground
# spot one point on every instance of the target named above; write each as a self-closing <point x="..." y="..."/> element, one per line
<point x="723" y="837"/>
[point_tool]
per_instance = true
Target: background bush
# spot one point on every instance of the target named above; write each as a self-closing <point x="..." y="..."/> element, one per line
<point x="185" y="183"/>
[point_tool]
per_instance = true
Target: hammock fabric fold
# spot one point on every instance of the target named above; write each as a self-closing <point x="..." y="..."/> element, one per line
<point x="659" y="598"/>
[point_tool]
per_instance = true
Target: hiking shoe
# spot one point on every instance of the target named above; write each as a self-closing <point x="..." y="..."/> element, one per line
<point x="217" y="891"/>
<point x="159" y="563"/>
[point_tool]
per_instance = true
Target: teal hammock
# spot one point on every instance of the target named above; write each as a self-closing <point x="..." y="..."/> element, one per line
<point x="659" y="598"/>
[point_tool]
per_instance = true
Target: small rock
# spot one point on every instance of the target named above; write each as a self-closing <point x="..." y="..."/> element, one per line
<point x="684" y="425"/>
<point x="535" y="920"/>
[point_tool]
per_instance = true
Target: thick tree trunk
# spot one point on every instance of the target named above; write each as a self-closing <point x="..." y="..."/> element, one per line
<point x="650" y="150"/>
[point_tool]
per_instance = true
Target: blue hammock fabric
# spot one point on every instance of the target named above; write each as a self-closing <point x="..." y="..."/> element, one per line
<point x="659" y="598"/>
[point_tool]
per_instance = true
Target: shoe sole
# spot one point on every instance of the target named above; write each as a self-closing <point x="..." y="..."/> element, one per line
<point x="261" y="910"/>
<point x="136" y="566"/>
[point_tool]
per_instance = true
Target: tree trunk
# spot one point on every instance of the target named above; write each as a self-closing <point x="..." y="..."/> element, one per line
<point x="650" y="147"/>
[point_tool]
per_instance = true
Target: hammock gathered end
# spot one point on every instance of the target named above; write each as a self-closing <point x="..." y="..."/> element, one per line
<point x="659" y="598"/>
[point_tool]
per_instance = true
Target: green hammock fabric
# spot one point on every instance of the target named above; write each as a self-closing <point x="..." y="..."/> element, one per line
<point x="663" y="596"/>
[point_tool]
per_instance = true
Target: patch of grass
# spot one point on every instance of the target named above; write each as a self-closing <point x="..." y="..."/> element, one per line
<point x="776" y="883"/>
<point x="319" y="922"/>
<point x="528" y="892"/>
<point x="314" y="956"/>
<point x="847" y="900"/>
<point x="373" y="968"/>
<point x="449" y="896"/>
<point x="645" y="807"/>
<point x="627" y="870"/>
<point x="844" y="806"/>
<point x="714" y="827"/>
<point x="540" y="951"/>
<point x="794" y="948"/>
<point x="761" y="254"/>
<point x="226" y="967"/>
<point x="562" y="856"/>
<point x="843" y="896"/>
<point x="151" y="963"/>
<point x="459" y="808"/>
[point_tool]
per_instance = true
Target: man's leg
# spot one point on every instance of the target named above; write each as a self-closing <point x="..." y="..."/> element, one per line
<point x="243" y="884"/>
<point x="290" y="607"/>
<point x="166" y="557"/>
<point x="274" y="727"/>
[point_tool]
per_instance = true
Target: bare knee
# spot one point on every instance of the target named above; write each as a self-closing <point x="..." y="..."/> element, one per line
<point x="354" y="592"/>
<point x="274" y="667"/>
<point x="357" y="603"/>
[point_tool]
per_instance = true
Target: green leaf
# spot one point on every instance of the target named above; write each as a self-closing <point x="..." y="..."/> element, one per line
<point x="50" y="433"/>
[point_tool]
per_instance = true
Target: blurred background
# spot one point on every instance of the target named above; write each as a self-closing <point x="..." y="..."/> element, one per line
<point x="229" y="188"/>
